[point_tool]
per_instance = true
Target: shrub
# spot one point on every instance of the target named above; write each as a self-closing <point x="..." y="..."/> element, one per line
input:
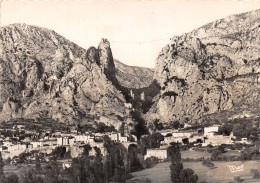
<point x="255" y="173"/>
<point x="215" y="155"/>
<point x="208" y="163"/>
<point x="187" y="175"/>
<point x="246" y="155"/>
<point x="13" y="178"/>
<point x="151" y="162"/>
<point x="238" y="179"/>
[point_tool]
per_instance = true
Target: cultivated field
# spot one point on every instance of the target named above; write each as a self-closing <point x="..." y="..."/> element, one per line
<point x="161" y="172"/>
<point x="194" y="154"/>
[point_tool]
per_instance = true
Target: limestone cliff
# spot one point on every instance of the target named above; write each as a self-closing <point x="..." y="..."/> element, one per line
<point x="132" y="76"/>
<point x="211" y="69"/>
<point x="43" y="75"/>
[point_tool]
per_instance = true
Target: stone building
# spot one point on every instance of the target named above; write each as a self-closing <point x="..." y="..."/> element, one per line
<point x="209" y="130"/>
<point x="158" y="153"/>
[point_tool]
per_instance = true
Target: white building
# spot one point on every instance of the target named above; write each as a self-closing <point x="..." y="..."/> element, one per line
<point x="17" y="147"/>
<point x="66" y="165"/>
<point x="168" y="140"/>
<point x="36" y="144"/>
<point x="128" y="105"/>
<point x="84" y="138"/>
<point x="158" y="153"/>
<point x="65" y="141"/>
<point x="113" y="136"/>
<point x="122" y="138"/>
<point x="217" y="140"/>
<point x="209" y="130"/>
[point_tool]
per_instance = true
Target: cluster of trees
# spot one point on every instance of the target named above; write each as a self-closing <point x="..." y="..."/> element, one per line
<point x="114" y="167"/>
<point x="152" y="140"/>
<point x="61" y="153"/>
<point x="102" y="127"/>
<point x="13" y="178"/>
<point x="241" y="128"/>
<point x="140" y="128"/>
<point x="250" y="152"/>
<point x="178" y="174"/>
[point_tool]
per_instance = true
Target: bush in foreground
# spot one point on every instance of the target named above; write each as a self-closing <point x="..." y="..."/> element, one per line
<point x="256" y="174"/>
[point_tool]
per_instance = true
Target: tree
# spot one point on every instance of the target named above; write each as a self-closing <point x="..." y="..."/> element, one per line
<point x="140" y="127"/>
<point x="38" y="164"/>
<point x="168" y="135"/>
<point x="52" y="171"/>
<point x="226" y="129"/>
<point x="185" y="141"/>
<point x="238" y="130"/>
<point x="2" y="176"/>
<point x="176" y="124"/>
<point x="87" y="148"/>
<point x="28" y="176"/>
<point x="208" y="163"/>
<point x="246" y="155"/>
<point x="22" y="157"/>
<point x="176" y="166"/>
<point x="157" y="125"/>
<point x="215" y="155"/>
<point x="59" y="152"/>
<point x="187" y="175"/>
<point x="152" y="140"/>
<point x="133" y="160"/>
<point x="102" y="127"/>
<point x="151" y="162"/>
<point x="97" y="165"/>
<point x="255" y="173"/>
<point x="238" y="179"/>
<point x="13" y="178"/>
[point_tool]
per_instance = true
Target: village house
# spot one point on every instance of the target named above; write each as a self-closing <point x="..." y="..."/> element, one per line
<point x="122" y="138"/>
<point x="217" y="140"/>
<point x="158" y="153"/>
<point x="244" y="141"/>
<point x="65" y="141"/>
<point x="168" y="140"/>
<point x="196" y="138"/>
<point x="84" y="138"/>
<point x="208" y="131"/>
<point x="66" y="165"/>
<point x="128" y="105"/>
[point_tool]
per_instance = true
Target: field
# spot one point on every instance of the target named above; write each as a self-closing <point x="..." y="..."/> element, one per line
<point x="194" y="154"/>
<point x="161" y="172"/>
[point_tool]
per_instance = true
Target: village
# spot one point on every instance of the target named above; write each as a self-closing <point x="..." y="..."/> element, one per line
<point x="30" y="141"/>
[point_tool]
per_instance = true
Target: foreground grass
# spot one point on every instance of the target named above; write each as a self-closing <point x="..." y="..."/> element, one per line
<point x="161" y="172"/>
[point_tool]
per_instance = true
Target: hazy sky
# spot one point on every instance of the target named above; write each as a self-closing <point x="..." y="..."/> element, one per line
<point x="137" y="30"/>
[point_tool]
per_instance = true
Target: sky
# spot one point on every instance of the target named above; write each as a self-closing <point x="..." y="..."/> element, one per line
<point x="137" y="30"/>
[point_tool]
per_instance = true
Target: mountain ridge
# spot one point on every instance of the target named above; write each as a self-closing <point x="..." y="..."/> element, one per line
<point x="45" y="75"/>
<point x="211" y="69"/>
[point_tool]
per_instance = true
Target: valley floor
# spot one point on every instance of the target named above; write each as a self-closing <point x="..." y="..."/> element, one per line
<point x="161" y="172"/>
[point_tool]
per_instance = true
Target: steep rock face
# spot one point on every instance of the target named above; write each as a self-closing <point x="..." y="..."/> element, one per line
<point x="44" y="75"/>
<point x="132" y="76"/>
<point x="211" y="69"/>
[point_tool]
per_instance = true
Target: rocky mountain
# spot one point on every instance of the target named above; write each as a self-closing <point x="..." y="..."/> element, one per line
<point x="210" y="70"/>
<point x="132" y="76"/>
<point x="43" y="75"/>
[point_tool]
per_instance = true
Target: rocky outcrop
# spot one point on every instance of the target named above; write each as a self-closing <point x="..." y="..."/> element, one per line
<point x="43" y="75"/>
<point x="211" y="69"/>
<point x="132" y="76"/>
